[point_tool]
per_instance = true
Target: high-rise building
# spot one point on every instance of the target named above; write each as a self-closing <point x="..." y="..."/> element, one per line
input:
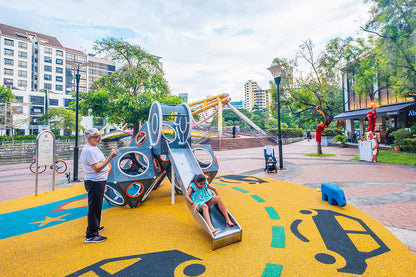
<point x="249" y="88"/>
<point x="255" y="96"/>
<point x="34" y="66"/>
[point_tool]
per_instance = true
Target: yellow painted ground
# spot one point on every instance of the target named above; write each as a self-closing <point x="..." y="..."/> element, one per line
<point x="268" y="213"/>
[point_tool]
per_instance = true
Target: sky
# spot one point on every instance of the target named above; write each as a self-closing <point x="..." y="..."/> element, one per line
<point x="207" y="47"/>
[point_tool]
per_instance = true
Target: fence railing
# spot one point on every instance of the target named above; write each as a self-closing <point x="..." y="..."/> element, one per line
<point x="24" y="153"/>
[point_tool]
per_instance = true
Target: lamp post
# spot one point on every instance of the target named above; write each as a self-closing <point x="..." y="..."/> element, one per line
<point x="276" y="73"/>
<point x="77" y="78"/>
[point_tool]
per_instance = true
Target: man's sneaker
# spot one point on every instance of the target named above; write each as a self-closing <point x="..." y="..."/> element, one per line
<point x="99" y="229"/>
<point x="95" y="239"/>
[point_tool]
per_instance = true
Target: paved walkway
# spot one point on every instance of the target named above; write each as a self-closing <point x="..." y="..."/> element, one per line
<point x="387" y="192"/>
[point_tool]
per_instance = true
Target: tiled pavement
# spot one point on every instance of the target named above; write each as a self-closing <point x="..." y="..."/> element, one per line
<point x="387" y="192"/>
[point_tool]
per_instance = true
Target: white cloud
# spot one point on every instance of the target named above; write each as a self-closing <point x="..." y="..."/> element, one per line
<point x="207" y="47"/>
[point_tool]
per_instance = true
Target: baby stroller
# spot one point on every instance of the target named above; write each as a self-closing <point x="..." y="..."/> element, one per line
<point x="269" y="158"/>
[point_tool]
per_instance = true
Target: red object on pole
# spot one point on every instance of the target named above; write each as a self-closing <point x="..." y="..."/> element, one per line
<point x="319" y="130"/>
<point x="371" y="120"/>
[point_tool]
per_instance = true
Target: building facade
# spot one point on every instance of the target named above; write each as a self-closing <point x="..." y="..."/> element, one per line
<point x="255" y="96"/>
<point x="392" y="112"/>
<point x="34" y="66"/>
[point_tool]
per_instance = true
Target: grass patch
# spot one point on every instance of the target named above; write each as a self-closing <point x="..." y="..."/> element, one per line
<point x="319" y="155"/>
<point x="394" y="157"/>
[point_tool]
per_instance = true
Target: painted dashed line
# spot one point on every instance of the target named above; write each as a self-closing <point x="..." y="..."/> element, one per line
<point x="258" y="198"/>
<point x="240" y="190"/>
<point x="272" y="270"/>
<point x="272" y="213"/>
<point x="278" y="236"/>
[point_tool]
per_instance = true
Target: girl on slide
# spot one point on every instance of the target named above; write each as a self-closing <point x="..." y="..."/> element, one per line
<point x="201" y="199"/>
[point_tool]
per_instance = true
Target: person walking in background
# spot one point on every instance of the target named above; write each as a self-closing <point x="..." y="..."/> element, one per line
<point x="308" y="134"/>
<point x="234" y="131"/>
<point x="96" y="170"/>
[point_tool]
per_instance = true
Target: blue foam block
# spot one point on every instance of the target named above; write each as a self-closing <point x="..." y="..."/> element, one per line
<point x="333" y="194"/>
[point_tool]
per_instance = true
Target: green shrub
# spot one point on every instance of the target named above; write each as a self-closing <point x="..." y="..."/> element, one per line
<point x="331" y="132"/>
<point x="288" y="132"/>
<point x="410" y="141"/>
<point x="25" y="137"/>
<point x="400" y="136"/>
<point x="340" y="138"/>
<point x="413" y="130"/>
<point x="408" y="148"/>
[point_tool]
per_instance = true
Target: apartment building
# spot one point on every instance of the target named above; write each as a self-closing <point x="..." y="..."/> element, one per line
<point x="255" y="96"/>
<point x="34" y="66"/>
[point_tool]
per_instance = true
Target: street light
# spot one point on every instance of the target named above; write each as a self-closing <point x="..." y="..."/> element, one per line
<point x="276" y="73"/>
<point x="77" y="78"/>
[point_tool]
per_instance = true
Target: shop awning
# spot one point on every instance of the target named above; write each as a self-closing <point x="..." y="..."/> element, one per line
<point x="386" y="110"/>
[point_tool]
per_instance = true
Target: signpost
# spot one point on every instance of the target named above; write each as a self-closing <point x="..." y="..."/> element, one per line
<point x="45" y="154"/>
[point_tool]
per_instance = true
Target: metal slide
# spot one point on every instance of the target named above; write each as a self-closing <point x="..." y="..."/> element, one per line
<point x="185" y="167"/>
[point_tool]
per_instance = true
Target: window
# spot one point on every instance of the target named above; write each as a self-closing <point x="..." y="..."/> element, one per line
<point x="36" y="110"/>
<point x="47" y="68"/>
<point x="68" y="102"/>
<point x="47" y="86"/>
<point x="22" y="54"/>
<point x="48" y="59"/>
<point x="22" y="64"/>
<point x="80" y="59"/>
<point x="48" y="50"/>
<point x="59" y="78"/>
<point x="47" y="77"/>
<point x="8" y="62"/>
<point x="22" y="45"/>
<point x="37" y="100"/>
<point x="59" y="70"/>
<point x="53" y="102"/>
<point x="59" y="88"/>
<point x="8" y="42"/>
<point x="8" y="82"/>
<point x="59" y="53"/>
<point x="22" y="83"/>
<point x="22" y="73"/>
<point x="8" y="71"/>
<point x="8" y="52"/>
<point x="59" y="61"/>
<point x="19" y="99"/>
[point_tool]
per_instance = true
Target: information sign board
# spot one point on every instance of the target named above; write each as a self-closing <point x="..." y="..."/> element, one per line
<point x="45" y="148"/>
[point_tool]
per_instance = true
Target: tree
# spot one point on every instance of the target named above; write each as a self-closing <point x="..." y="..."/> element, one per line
<point x="60" y="118"/>
<point x="394" y="23"/>
<point x="125" y="96"/>
<point x="318" y="91"/>
<point x="6" y="98"/>
<point x="357" y="58"/>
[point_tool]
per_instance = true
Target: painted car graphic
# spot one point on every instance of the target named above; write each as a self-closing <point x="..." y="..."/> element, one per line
<point x="150" y="264"/>
<point x="339" y="233"/>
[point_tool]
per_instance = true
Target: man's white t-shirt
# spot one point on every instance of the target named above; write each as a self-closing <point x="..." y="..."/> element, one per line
<point x="91" y="155"/>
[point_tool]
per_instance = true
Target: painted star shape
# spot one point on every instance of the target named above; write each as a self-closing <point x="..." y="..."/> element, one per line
<point x="49" y="219"/>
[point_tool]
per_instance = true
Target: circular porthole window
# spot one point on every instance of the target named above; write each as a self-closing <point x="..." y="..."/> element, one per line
<point x="133" y="163"/>
<point x="141" y="138"/>
<point x="134" y="190"/>
<point x="203" y="157"/>
<point x="169" y="133"/>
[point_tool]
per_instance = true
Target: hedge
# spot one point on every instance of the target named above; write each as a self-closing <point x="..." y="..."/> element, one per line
<point x="288" y="132"/>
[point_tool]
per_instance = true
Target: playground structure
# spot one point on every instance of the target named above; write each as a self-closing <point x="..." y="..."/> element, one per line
<point x="154" y="155"/>
<point x="214" y="104"/>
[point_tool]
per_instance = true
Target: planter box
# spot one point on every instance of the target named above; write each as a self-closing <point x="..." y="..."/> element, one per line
<point x="326" y="140"/>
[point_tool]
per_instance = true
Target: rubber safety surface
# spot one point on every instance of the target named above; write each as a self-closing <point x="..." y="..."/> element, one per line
<point x="287" y="231"/>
